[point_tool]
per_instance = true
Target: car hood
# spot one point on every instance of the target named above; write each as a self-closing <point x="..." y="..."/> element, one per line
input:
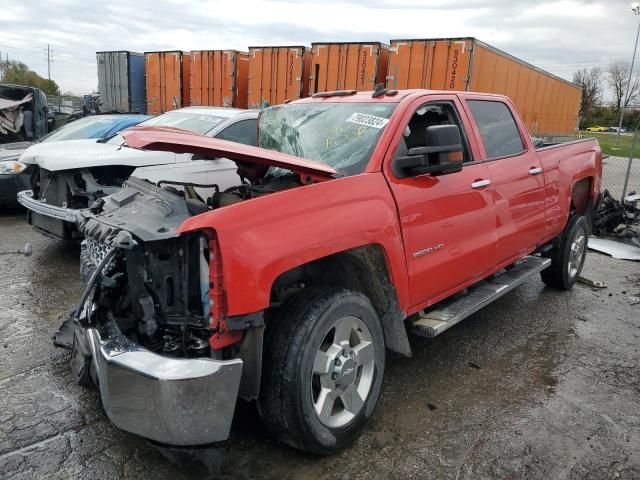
<point x="178" y="142"/>
<point x="11" y="151"/>
<point x="70" y="154"/>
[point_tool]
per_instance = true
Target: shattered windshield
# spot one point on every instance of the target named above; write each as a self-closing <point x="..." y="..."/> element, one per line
<point x="341" y="135"/>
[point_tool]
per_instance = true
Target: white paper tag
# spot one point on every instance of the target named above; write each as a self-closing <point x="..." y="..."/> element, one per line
<point x="368" y="120"/>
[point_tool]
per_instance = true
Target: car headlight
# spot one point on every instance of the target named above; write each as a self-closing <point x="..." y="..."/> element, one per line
<point x="11" y="166"/>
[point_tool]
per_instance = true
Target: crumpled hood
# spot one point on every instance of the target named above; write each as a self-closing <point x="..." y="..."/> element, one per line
<point x="146" y="211"/>
<point x="173" y="140"/>
<point x="70" y="154"/>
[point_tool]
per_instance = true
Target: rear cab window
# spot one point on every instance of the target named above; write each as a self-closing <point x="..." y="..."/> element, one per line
<point x="498" y="128"/>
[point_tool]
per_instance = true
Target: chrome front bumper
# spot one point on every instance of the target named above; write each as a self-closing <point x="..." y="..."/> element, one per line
<point x="173" y="401"/>
<point x="25" y="198"/>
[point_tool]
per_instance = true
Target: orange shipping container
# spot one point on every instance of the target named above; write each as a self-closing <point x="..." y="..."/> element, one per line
<point x="277" y="74"/>
<point x="348" y="66"/>
<point x="219" y="78"/>
<point x="548" y="104"/>
<point x="167" y="75"/>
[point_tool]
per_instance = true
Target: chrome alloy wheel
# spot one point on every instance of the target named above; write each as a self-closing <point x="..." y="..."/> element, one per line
<point x="343" y="372"/>
<point x="576" y="254"/>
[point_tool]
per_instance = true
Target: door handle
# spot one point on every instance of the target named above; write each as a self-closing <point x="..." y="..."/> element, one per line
<point x="535" y="170"/>
<point x="480" y="183"/>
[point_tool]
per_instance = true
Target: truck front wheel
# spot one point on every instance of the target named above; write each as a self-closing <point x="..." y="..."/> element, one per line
<point x="322" y="370"/>
<point x="567" y="258"/>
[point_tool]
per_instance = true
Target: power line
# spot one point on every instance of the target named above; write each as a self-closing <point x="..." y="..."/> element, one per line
<point x="21" y="54"/>
<point x="22" y="46"/>
<point x="40" y="49"/>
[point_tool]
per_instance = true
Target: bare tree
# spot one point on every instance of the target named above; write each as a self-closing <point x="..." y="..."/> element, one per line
<point x="618" y="78"/>
<point x="590" y="82"/>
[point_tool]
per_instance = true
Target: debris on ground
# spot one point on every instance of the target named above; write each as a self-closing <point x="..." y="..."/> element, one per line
<point x="26" y="251"/>
<point x="608" y="216"/>
<point x="592" y="283"/>
<point x="615" y="217"/>
<point x="619" y="250"/>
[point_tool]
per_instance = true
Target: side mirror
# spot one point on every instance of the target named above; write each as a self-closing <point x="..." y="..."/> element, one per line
<point x="442" y="155"/>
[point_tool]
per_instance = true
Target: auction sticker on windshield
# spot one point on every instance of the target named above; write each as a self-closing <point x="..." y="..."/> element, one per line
<point x="368" y="120"/>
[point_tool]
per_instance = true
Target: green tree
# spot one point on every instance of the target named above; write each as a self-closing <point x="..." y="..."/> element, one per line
<point x="19" y="73"/>
<point x="590" y="82"/>
<point x="618" y="77"/>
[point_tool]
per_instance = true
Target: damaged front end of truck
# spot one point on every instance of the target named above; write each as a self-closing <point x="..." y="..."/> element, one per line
<point x="148" y="330"/>
<point x="151" y="330"/>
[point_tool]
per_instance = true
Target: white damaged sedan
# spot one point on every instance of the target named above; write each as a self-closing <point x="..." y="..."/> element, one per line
<point x="72" y="175"/>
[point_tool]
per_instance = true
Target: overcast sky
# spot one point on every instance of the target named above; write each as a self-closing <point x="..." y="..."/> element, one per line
<point x="559" y="36"/>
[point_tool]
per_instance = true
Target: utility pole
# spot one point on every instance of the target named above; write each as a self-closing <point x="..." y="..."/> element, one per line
<point x="49" y="63"/>
<point x="635" y="8"/>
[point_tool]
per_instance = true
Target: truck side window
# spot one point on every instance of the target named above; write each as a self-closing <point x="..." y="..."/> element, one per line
<point x="498" y="129"/>
<point x="415" y="134"/>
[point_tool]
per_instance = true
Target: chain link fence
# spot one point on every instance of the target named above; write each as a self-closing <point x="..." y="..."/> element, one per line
<point x="63" y="107"/>
<point x="618" y="171"/>
<point x="65" y="104"/>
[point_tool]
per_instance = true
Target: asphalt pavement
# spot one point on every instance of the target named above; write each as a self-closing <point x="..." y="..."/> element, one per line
<point x="539" y="385"/>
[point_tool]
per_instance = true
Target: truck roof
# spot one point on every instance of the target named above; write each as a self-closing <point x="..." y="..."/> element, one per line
<point x="366" y="97"/>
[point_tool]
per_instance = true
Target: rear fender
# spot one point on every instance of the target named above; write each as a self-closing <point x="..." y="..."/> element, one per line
<point x="581" y="195"/>
<point x="579" y="182"/>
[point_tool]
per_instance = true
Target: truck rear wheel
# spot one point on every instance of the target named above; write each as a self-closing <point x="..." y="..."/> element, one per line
<point x="567" y="258"/>
<point x="323" y="368"/>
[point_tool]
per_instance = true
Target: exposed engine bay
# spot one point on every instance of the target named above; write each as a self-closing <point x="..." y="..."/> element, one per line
<point x="77" y="188"/>
<point x="156" y="286"/>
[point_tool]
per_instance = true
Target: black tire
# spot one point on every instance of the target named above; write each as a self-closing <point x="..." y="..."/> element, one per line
<point x="559" y="275"/>
<point x="286" y="402"/>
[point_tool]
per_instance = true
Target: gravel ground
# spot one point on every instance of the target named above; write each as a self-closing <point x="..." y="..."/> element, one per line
<point x="541" y="384"/>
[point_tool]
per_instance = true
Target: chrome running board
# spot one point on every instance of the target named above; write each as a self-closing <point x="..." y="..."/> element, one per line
<point x="447" y="313"/>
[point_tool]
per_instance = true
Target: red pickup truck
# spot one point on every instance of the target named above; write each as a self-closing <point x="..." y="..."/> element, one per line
<point x="361" y="218"/>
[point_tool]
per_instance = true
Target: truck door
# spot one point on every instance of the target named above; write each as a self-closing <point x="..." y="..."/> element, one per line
<point x="448" y="221"/>
<point x="517" y="180"/>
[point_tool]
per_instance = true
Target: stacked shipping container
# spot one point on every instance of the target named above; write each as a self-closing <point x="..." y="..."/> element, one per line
<point x="167" y="80"/>
<point x="348" y="66"/>
<point x="277" y="74"/>
<point x="121" y="81"/>
<point x="219" y="78"/>
<point x="548" y="104"/>
<point x="272" y="75"/>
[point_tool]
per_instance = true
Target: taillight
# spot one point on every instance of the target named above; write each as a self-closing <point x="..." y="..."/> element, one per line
<point x="222" y="336"/>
